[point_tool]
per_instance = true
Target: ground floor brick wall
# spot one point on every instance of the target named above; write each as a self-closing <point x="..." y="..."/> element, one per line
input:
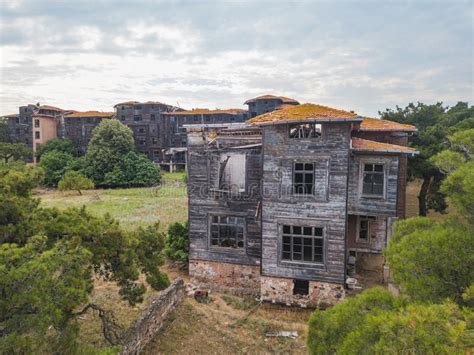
<point x="280" y="290"/>
<point x="226" y="277"/>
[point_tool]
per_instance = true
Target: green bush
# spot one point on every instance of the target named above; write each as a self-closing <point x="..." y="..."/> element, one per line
<point x="72" y="180"/>
<point x="375" y="322"/>
<point x="111" y="159"/>
<point x="177" y="242"/>
<point x="55" y="164"/>
<point x="432" y="260"/>
<point x="57" y="145"/>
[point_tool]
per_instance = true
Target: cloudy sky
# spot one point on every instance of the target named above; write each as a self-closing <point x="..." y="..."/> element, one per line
<point x="355" y="55"/>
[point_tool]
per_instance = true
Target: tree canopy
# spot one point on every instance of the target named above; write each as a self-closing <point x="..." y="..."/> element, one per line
<point x="14" y="151"/>
<point x="434" y="123"/>
<point x="55" y="164"/>
<point x="57" y="145"/>
<point x="111" y="159"/>
<point x="49" y="259"/>
<point x="73" y="180"/>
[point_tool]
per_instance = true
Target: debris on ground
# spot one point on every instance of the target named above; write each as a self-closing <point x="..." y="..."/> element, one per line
<point x="284" y="333"/>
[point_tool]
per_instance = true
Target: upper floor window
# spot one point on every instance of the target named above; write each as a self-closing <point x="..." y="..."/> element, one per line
<point x="37" y="123"/>
<point x="232" y="170"/>
<point x="304" y="244"/>
<point x="141" y="130"/>
<point x="227" y="231"/>
<point x="123" y="117"/>
<point x="152" y="117"/>
<point x="17" y="120"/>
<point x="37" y="135"/>
<point x="123" y="107"/>
<point x="303" y="178"/>
<point x="137" y="118"/>
<point x="305" y="130"/>
<point x="373" y="179"/>
<point x="138" y="107"/>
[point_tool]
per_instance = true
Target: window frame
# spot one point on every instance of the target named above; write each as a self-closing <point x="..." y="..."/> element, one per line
<point x="362" y="174"/>
<point x="218" y="248"/>
<point x="37" y="135"/>
<point x="220" y="177"/>
<point x="370" y="221"/>
<point x="319" y="138"/>
<point x="304" y="172"/>
<point x="302" y="225"/>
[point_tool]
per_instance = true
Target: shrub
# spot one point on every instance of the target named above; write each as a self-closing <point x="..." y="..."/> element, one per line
<point x="57" y="145"/>
<point x="376" y="322"/>
<point x="72" y="180"/>
<point x="54" y="164"/>
<point x="177" y="242"/>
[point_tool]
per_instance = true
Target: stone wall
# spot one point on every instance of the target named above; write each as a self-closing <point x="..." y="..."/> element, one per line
<point x="280" y="290"/>
<point x="151" y="320"/>
<point x="226" y="277"/>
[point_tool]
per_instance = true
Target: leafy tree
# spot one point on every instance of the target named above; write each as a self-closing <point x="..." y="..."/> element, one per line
<point x="112" y="161"/>
<point x="328" y="328"/>
<point x="376" y="322"/>
<point x="16" y="203"/>
<point x="72" y="180"/>
<point x="57" y="145"/>
<point x="40" y="288"/>
<point x="55" y="164"/>
<point x="435" y="123"/>
<point x="459" y="187"/>
<point x="432" y="260"/>
<point x="16" y="151"/>
<point x="177" y="242"/>
<point x="111" y="140"/>
<point x="133" y="170"/>
<point x="415" y="329"/>
<point x="52" y="275"/>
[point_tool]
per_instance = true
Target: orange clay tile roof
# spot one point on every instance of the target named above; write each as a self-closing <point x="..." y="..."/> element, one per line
<point x="375" y="124"/>
<point x="359" y="144"/>
<point x="89" y="114"/>
<point x="305" y="112"/>
<point x="205" y="111"/>
<point x="52" y="108"/>
<point x="285" y="100"/>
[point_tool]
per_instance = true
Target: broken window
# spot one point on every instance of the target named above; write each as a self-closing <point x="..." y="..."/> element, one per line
<point x="373" y="179"/>
<point x="303" y="178"/>
<point x="232" y="169"/>
<point x="37" y="123"/>
<point x="305" y="130"/>
<point x="37" y="135"/>
<point x="137" y="118"/>
<point x="300" y="287"/>
<point x="363" y="225"/>
<point x="304" y="244"/>
<point x="227" y="231"/>
<point x="152" y="117"/>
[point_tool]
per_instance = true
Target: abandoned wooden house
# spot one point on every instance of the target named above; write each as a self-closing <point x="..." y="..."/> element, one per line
<point x="286" y="205"/>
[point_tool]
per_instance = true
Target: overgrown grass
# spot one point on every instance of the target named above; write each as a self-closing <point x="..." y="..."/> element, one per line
<point x="243" y="303"/>
<point x="132" y="207"/>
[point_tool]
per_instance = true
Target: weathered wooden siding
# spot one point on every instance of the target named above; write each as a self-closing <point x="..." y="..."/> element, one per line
<point x="378" y="235"/>
<point x="326" y="208"/>
<point x="373" y="206"/>
<point x="203" y="171"/>
<point x="398" y="138"/>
